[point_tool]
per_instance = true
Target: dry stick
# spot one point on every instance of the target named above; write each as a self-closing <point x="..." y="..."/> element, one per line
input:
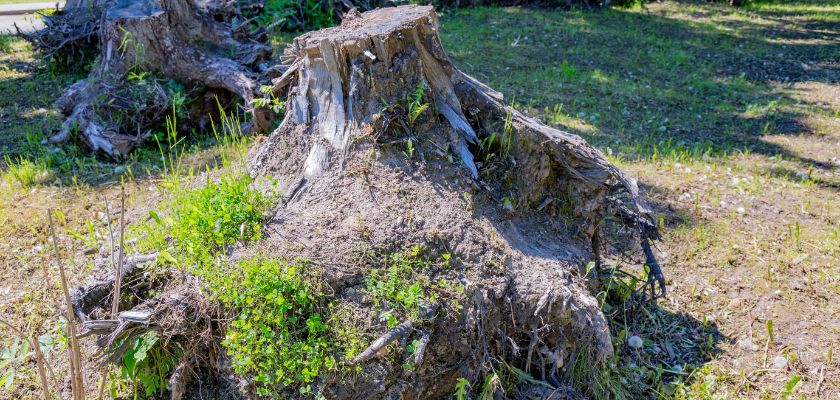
<point x="76" y="375"/>
<point x="113" y="246"/>
<point x="115" y="306"/>
<point x="39" y="358"/>
<point x="102" y="386"/>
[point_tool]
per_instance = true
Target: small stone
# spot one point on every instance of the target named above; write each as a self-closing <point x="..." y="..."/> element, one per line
<point x="747" y="344"/>
<point x="780" y="362"/>
<point x="635" y="342"/>
<point x="741" y="210"/>
<point x="736" y="303"/>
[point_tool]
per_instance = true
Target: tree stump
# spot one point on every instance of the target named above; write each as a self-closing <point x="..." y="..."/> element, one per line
<point x="142" y="44"/>
<point x="386" y="144"/>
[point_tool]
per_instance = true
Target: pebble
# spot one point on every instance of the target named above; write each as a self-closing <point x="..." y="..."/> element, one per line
<point x="780" y="362"/>
<point x="747" y="344"/>
<point x="635" y="342"/>
<point x="736" y="303"/>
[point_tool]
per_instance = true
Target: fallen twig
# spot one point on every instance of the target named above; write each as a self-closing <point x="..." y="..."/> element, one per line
<point x="384" y="340"/>
<point x="420" y="351"/>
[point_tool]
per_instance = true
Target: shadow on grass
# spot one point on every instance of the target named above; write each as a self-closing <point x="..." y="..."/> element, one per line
<point x="649" y="84"/>
<point x="673" y="344"/>
<point x="27" y="120"/>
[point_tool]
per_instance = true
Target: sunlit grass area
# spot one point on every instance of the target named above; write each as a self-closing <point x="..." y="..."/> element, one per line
<point x="729" y="118"/>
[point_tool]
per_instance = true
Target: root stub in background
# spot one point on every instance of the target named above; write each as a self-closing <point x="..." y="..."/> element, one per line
<point x="148" y="51"/>
<point x="385" y="144"/>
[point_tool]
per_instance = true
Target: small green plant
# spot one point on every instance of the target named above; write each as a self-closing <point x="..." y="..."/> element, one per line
<point x="5" y="43"/>
<point x="203" y="221"/>
<point x="409" y="148"/>
<point x="400" y="287"/>
<point x="507" y="132"/>
<point x="790" y="386"/>
<point x="491" y="385"/>
<point x="15" y="357"/>
<point x="90" y="238"/>
<point x="26" y="172"/>
<point x="416" y="106"/>
<point x="10" y="358"/>
<point x="147" y="364"/>
<point x="278" y="334"/>
<point x="294" y="15"/>
<point x="567" y="70"/>
<point x="462" y="389"/>
<point x="270" y="100"/>
<point x="177" y="98"/>
<point x="795" y="232"/>
<point x="129" y="43"/>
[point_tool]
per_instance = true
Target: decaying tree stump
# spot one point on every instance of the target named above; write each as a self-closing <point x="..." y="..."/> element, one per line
<point x="518" y="204"/>
<point x="385" y="145"/>
<point x="143" y="43"/>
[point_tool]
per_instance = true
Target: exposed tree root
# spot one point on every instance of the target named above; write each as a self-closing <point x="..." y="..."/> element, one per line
<point x="141" y="42"/>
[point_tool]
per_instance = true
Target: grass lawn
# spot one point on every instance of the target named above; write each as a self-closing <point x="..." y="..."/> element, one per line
<point x="729" y="118"/>
<point x="731" y="121"/>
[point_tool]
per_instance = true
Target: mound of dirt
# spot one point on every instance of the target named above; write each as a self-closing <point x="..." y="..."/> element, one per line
<point x="386" y="145"/>
<point x="387" y="149"/>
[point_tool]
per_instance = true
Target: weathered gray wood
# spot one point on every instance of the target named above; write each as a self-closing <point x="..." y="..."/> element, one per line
<point x="172" y="39"/>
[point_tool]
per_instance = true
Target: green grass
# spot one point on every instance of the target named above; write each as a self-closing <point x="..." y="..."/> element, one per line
<point x="622" y="76"/>
<point x="729" y="121"/>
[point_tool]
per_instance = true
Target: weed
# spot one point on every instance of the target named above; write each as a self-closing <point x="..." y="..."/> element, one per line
<point x="400" y="288"/>
<point x="350" y="338"/>
<point x="201" y="221"/>
<point x="90" y="239"/>
<point x="270" y="100"/>
<point x="409" y="148"/>
<point x="25" y="172"/>
<point x="790" y="386"/>
<point x="5" y="43"/>
<point x="567" y="70"/>
<point x="278" y="335"/>
<point x="294" y="15"/>
<point x="10" y="357"/>
<point x="462" y="389"/>
<point x="146" y="364"/>
<point x="415" y="104"/>
<point x="507" y="132"/>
